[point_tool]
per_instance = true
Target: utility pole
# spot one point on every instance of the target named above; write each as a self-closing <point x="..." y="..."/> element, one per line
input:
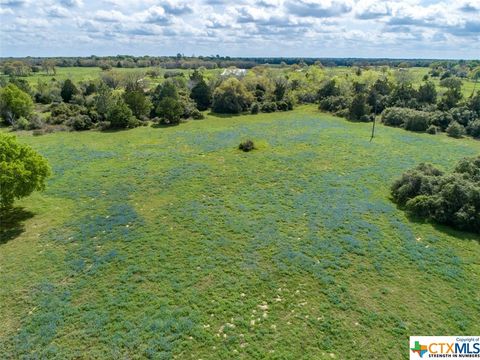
<point x="374" y="117"/>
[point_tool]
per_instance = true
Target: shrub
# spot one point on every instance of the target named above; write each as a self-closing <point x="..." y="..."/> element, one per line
<point x="35" y="122"/>
<point x="188" y="105"/>
<point x="463" y="115"/>
<point x="289" y="100"/>
<point x="469" y="168"/>
<point x="329" y="88"/>
<point x="474" y="129"/>
<point x="306" y="96"/>
<point x="440" y="119"/>
<point x="341" y="113"/>
<point x="80" y="122"/>
<point x="403" y="95"/>
<point x="136" y="100"/>
<point x="418" y="181"/>
<point x="197" y="115"/>
<point x="202" y="95"/>
<point x="247" y="145"/>
<point x="21" y="124"/>
<point x="60" y="109"/>
<point x="255" y="108"/>
<point x="452" y="199"/>
<point x="359" y="109"/>
<point x="427" y="93"/>
<point x="334" y="103"/>
<point x="412" y="120"/>
<point x="170" y="74"/>
<point x="78" y="99"/>
<point x="393" y="116"/>
<point x="455" y="130"/>
<point x="269" y="107"/>
<point x="170" y="110"/>
<point x="282" y="106"/>
<point x="432" y="129"/>
<point x="47" y="92"/>
<point x="450" y="99"/>
<point x="231" y="97"/>
<point x="474" y="103"/>
<point x="62" y="113"/>
<point x="120" y="116"/>
<point x="22" y="170"/>
<point x="417" y="121"/>
<point x="103" y="125"/>
<point x="68" y="90"/>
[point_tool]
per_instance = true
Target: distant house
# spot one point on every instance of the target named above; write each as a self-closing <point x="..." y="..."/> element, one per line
<point x="234" y="72"/>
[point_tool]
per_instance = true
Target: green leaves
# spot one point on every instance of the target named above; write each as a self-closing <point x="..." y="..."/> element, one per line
<point x="22" y="170"/>
<point x="14" y="103"/>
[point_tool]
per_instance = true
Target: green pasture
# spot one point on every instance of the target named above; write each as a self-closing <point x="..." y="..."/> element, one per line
<point x="169" y="243"/>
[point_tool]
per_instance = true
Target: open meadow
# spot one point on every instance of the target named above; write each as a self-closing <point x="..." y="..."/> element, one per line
<point x="167" y="242"/>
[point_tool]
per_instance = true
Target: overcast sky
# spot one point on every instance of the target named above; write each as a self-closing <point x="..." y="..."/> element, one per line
<point x="306" y="28"/>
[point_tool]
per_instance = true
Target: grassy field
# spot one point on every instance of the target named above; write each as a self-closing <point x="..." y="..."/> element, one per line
<point x="170" y="243"/>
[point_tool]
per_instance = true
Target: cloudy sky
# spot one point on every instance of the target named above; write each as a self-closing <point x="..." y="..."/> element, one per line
<point x="307" y="28"/>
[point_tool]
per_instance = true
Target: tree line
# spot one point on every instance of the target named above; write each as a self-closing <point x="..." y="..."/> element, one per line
<point x="125" y="99"/>
<point x="180" y="61"/>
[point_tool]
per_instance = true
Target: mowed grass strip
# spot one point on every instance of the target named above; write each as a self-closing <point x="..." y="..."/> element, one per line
<point x="171" y="243"/>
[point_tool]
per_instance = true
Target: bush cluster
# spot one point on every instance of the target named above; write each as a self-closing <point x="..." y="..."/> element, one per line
<point x="401" y="104"/>
<point x="452" y="199"/>
<point x="413" y="120"/>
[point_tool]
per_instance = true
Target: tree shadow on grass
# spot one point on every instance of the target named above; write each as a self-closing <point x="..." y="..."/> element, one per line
<point x="444" y="228"/>
<point x="113" y="130"/>
<point x="219" y="115"/>
<point x="12" y="223"/>
<point x="164" y="126"/>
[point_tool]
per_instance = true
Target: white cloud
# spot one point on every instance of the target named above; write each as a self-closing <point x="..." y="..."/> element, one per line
<point x="6" y="11"/>
<point x="110" y="16"/>
<point x="247" y="27"/>
<point x="71" y="3"/>
<point x="57" y="12"/>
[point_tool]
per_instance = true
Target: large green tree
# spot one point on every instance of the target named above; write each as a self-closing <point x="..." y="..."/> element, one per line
<point x="120" y="116"/>
<point x="427" y="93"/>
<point x="231" y="97"/>
<point x="22" y="170"/>
<point x="68" y="90"/>
<point x="202" y="95"/>
<point x="170" y="109"/>
<point x="136" y="100"/>
<point x="14" y="103"/>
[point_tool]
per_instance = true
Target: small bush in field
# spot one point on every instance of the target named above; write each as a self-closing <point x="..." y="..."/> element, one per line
<point x="21" y="124"/>
<point x="269" y="107"/>
<point x="81" y="122"/>
<point x="455" y="130"/>
<point x="432" y="130"/>
<point x="410" y="119"/>
<point x="474" y="129"/>
<point x="247" y="145"/>
<point x="197" y="115"/>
